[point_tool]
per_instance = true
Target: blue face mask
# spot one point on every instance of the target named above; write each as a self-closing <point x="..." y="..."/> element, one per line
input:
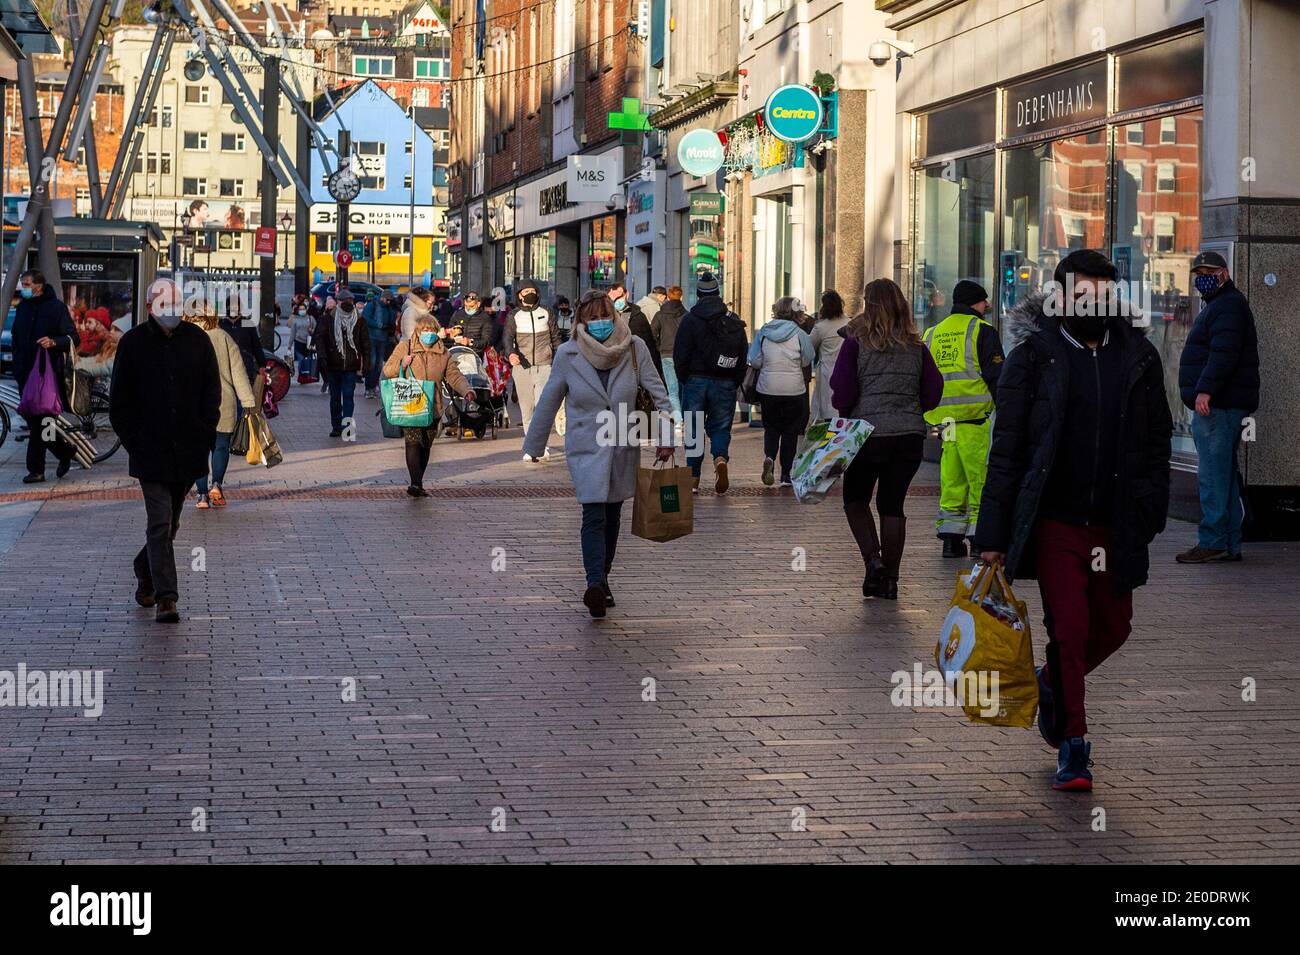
<point x="620" y="304"/>
<point x="25" y="292"/>
<point x="601" y="329"/>
<point x="1205" y="284"/>
<point x="428" y="338"/>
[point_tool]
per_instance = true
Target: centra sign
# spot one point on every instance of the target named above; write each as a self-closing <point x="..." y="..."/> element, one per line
<point x="793" y="113"/>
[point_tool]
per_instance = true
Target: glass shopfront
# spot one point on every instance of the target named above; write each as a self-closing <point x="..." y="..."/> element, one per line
<point x="602" y="249"/>
<point x="1009" y="182"/>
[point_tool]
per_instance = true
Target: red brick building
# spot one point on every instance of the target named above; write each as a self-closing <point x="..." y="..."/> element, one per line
<point x="534" y="84"/>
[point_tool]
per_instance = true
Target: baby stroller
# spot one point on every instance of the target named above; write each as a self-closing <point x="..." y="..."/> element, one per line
<point x="480" y="415"/>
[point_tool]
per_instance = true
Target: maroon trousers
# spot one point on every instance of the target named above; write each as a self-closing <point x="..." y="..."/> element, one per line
<point x="1086" y="619"/>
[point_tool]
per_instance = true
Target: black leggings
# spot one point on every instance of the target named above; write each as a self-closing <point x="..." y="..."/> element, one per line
<point x="893" y="462"/>
<point x="784" y="419"/>
<point x="417" y="460"/>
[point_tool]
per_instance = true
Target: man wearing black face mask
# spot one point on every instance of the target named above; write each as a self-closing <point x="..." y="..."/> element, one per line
<point x="1078" y="482"/>
<point x="1218" y="379"/>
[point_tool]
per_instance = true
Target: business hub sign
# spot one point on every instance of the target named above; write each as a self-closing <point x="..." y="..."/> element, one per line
<point x="700" y="152"/>
<point x="793" y="113"/>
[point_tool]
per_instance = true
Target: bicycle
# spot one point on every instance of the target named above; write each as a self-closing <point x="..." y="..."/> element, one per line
<point x="4" y="424"/>
<point x="95" y="426"/>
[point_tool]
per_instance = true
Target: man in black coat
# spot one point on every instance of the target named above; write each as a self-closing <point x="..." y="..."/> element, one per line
<point x="1218" y="378"/>
<point x="709" y="358"/>
<point x="637" y="322"/>
<point x="1078" y="482"/>
<point x="476" y="326"/>
<point x="164" y="404"/>
<point x="42" y="322"/>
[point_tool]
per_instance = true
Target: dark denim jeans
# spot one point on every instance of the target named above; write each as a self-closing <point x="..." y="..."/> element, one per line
<point x="156" y="563"/>
<point x="1217" y="437"/>
<point x="220" y="461"/>
<point x="378" y="355"/>
<point x="599" y="539"/>
<point x="716" y="399"/>
<point x="342" y="385"/>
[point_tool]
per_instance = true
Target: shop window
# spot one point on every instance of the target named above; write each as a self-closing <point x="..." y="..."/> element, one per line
<point x="601" y="253"/>
<point x="954" y="232"/>
<point x="1054" y="201"/>
<point x="1156" y="231"/>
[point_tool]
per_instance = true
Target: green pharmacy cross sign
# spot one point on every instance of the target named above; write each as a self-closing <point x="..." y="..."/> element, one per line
<point x="631" y="118"/>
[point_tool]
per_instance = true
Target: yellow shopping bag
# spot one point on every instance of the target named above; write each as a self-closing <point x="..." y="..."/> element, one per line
<point x="254" y="454"/>
<point x="985" y="650"/>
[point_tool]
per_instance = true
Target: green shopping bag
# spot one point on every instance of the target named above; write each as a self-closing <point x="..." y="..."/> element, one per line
<point x="408" y="402"/>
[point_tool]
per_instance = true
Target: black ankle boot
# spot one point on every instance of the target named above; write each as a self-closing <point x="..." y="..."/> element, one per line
<point x="893" y="534"/>
<point x="954" y="545"/>
<point x="873" y="584"/>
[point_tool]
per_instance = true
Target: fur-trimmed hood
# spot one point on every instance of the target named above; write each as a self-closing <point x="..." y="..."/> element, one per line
<point x="1029" y="316"/>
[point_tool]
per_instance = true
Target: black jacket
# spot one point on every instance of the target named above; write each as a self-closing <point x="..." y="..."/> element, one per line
<point x="1221" y="356"/>
<point x="711" y="342"/>
<point x="640" y="327"/>
<point x="249" y="342"/>
<point x="165" y="401"/>
<point x="334" y="357"/>
<point x="1028" y="430"/>
<point x="43" y="316"/>
<point x="478" y="328"/>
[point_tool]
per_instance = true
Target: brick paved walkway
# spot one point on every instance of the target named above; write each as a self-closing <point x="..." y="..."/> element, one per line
<point x="486" y="695"/>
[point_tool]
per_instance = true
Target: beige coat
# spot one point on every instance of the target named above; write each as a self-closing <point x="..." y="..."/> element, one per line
<point x="234" y="380"/>
<point x="428" y="364"/>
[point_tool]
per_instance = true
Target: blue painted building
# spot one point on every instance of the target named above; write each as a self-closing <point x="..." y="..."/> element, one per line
<point x="392" y="158"/>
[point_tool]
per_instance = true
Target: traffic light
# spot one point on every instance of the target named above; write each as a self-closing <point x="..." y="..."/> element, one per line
<point x="1010" y="267"/>
<point x="383" y="246"/>
<point x="366" y="245"/>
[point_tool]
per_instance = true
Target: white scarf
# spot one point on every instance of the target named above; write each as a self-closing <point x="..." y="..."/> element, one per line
<point x="345" y="325"/>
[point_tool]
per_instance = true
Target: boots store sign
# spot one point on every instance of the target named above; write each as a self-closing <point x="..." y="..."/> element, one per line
<point x="592" y="178"/>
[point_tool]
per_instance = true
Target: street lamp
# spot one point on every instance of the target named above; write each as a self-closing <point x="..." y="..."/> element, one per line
<point x="185" y="226"/>
<point x="286" y="221"/>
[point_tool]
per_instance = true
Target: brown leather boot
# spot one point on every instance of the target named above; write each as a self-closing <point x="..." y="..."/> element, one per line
<point x="166" y="612"/>
<point x="893" y="534"/>
<point x="720" y="471"/>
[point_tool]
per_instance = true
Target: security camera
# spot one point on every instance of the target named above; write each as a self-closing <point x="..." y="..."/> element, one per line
<point x="879" y="53"/>
<point x="613" y="202"/>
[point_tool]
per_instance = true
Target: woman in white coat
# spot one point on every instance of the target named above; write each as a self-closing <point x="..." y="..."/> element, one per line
<point x="826" y="340"/>
<point x="595" y="374"/>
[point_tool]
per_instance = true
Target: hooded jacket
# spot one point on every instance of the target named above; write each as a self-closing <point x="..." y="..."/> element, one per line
<point x="639" y="325"/>
<point x="664" y="325"/>
<point x="1029" y="430"/>
<point x="711" y="342"/>
<point x="530" y="333"/>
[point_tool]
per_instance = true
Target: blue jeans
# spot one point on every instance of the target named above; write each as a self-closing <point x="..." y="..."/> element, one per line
<point x="220" y="461"/>
<point x="599" y="539"/>
<point x="342" y="385"/>
<point x="674" y="389"/>
<point x="716" y="398"/>
<point x="1217" y="437"/>
<point x="378" y="355"/>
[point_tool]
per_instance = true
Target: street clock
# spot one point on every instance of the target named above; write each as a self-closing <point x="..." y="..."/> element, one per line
<point x="343" y="185"/>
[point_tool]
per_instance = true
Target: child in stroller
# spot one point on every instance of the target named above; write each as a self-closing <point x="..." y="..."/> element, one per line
<point x="461" y="415"/>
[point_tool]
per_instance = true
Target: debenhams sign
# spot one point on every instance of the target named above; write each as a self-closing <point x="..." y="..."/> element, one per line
<point x="1062" y="99"/>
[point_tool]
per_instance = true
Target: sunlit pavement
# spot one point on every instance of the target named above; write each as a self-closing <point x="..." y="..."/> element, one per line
<point x="364" y="677"/>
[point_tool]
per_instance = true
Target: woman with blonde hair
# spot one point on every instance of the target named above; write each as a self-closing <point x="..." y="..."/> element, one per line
<point x="885" y="375"/>
<point x="236" y="390"/>
<point x="783" y="354"/>
<point x="425" y="357"/>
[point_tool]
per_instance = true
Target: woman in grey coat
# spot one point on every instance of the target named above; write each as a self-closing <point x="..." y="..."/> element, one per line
<point x="596" y="374"/>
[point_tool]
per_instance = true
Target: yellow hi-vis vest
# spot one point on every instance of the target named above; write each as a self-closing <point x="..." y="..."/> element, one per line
<point x="952" y="345"/>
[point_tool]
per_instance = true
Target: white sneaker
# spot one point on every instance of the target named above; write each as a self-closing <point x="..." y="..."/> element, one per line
<point x="529" y="459"/>
<point x="546" y="453"/>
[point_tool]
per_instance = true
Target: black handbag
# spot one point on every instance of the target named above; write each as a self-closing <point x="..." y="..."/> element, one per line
<point x="390" y="430"/>
<point x="749" y="387"/>
<point x="239" y="437"/>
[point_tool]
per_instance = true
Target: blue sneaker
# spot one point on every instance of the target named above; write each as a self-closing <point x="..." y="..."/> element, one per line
<point x="1072" y="774"/>
<point x="1047" y="712"/>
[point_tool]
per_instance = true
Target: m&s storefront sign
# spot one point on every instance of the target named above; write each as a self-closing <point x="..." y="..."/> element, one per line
<point x="793" y="113"/>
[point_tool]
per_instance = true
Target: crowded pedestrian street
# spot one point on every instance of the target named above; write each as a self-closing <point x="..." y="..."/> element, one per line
<point x="359" y="676"/>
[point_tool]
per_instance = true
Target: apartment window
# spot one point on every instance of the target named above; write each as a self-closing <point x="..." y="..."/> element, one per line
<point x="607" y="35"/>
<point x="429" y="68"/>
<point x="406" y="181"/>
<point x="373" y="65"/>
<point x="372" y="162"/>
<point x="592" y="51"/>
<point x="1164" y="177"/>
<point x="1134" y="135"/>
<point x="232" y="188"/>
<point x="195" y="140"/>
<point x="232" y="142"/>
<point x="1164" y="234"/>
<point x="1169" y="129"/>
<point x="196" y="95"/>
<point x="194" y="186"/>
<point x="399" y="245"/>
<point x="420" y="96"/>
<point x="225" y="98"/>
<point x="154" y="164"/>
<point x="533" y="102"/>
<point x="165" y="116"/>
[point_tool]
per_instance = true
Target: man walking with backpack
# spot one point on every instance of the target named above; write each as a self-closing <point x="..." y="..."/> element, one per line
<point x="1078" y="483"/>
<point x="709" y="358"/>
<point x="1218" y="378"/>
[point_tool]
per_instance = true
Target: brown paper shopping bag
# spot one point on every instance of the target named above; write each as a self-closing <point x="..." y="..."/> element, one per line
<point x="663" y="508"/>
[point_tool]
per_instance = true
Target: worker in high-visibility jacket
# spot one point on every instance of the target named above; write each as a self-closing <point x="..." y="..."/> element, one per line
<point x="968" y="352"/>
